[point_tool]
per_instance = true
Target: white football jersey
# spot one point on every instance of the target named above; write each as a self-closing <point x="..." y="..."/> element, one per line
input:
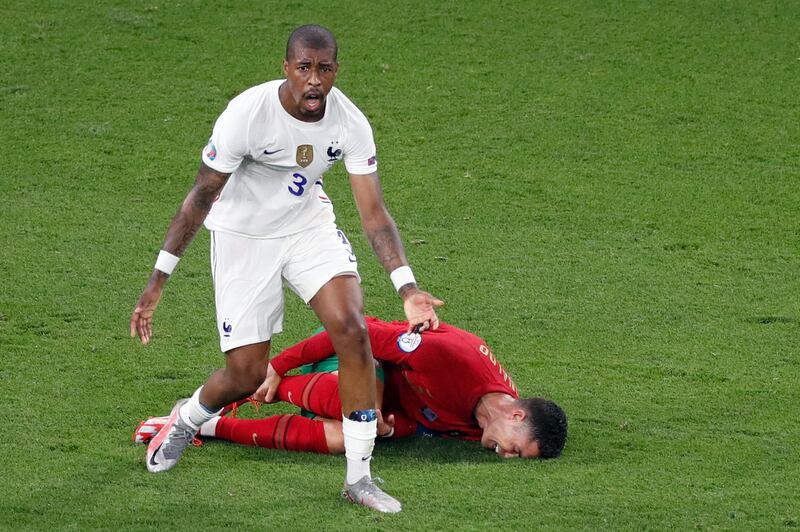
<point x="277" y="162"/>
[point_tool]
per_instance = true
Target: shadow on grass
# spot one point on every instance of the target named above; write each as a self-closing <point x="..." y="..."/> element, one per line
<point x="767" y="320"/>
<point x="418" y="449"/>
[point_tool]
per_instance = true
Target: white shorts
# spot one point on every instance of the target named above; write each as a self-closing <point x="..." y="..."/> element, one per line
<point x="249" y="273"/>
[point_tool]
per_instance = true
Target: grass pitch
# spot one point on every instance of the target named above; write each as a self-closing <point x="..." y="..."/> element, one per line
<point x="606" y="192"/>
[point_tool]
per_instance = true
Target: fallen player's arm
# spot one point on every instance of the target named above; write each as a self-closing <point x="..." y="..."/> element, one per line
<point x="382" y="338"/>
<point x="314" y="349"/>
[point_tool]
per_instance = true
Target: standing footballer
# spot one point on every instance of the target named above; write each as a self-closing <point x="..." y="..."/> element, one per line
<point x="259" y="192"/>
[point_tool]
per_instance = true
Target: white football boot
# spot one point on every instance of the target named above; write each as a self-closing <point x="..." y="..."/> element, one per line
<point x="366" y="493"/>
<point x="166" y="448"/>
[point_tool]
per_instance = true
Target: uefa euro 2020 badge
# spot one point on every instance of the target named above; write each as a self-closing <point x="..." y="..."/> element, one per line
<point x="409" y="342"/>
<point x="211" y="151"/>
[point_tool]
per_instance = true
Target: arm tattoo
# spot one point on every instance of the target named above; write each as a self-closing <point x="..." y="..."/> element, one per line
<point x="193" y="212"/>
<point x="204" y="193"/>
<point x="186" y="229"/>
<point x="385" y="241"/>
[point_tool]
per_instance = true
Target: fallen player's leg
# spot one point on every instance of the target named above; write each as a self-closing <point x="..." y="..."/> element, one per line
<point x="289" y="432"/>
<point x="314" y="392"/>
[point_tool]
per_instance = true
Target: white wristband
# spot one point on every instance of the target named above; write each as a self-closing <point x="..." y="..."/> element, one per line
<point x="166" y="262"/>
<point x="402" y="276"/>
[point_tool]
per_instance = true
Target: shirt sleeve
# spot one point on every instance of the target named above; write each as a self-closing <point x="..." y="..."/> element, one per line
<point x="383" y="338"/>
<point x="228" y="144"/>
<point x="314" y="349"/>
<point x="359" y="150"/>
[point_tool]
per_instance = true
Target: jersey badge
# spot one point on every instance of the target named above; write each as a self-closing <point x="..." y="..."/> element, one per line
<point x="429" y="414"/>
<point x="305" y="154"/>
<point x="211" y="151"/>
<point x="409" y="342"/>
<point x="334" y="154"/>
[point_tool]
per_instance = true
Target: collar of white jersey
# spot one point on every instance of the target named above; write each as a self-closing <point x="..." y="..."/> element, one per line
<point x="322" y="122"/>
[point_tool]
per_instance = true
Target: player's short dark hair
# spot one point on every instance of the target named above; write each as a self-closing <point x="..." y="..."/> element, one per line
<point x="312" y="36"/>
<point x="547" y="424"/>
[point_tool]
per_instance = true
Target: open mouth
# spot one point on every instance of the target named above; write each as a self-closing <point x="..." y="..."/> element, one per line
<point x="313" y="101"/>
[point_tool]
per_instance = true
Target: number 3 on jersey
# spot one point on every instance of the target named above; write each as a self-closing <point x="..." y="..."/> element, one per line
<point x="300" y="182"/>
<point x="347" y="245"/>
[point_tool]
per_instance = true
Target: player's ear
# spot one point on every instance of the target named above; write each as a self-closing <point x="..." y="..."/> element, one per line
<point x="518" y="415"/>
<point x="286" y="67"/>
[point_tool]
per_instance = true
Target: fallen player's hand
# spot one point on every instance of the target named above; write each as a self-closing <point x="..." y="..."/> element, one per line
<point x="269" y="388"/>
<point x="419" y="308"/>
<point x="385" y="426"/>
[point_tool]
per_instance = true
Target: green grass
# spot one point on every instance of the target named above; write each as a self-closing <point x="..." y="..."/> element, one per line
<point x="606" y="191"/>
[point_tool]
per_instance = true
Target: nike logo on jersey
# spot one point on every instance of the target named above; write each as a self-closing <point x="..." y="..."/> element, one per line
<point x="267" y="152"/>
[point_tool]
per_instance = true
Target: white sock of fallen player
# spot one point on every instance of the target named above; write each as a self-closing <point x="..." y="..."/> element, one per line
<point x="209" y="428"/>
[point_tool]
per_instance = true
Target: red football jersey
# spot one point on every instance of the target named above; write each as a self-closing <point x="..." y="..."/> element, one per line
<point x="435" y="378"/>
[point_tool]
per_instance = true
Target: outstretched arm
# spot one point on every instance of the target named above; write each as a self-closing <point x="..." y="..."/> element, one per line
<point x="385" y="240"/>
<point x="181" y="231"/>
<point x="313" y="349"/>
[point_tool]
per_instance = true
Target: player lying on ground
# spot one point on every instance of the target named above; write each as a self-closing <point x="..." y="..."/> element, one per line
<point x="443" y="382"/>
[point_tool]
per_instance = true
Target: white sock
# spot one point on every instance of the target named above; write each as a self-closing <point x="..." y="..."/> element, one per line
<point x="359" y="439"/>
<point x="194" y="413"/>
<point x="209" y="428"/>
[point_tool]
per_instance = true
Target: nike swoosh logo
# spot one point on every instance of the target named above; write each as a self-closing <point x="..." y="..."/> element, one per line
<point x="153" y="458"/>
<point x="366" y="458"/>
<point x="266" y="152"/>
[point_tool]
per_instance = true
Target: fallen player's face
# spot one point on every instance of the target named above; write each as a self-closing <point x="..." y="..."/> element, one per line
<point x="310" y="74"/>
<point x="509" y="439"/>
